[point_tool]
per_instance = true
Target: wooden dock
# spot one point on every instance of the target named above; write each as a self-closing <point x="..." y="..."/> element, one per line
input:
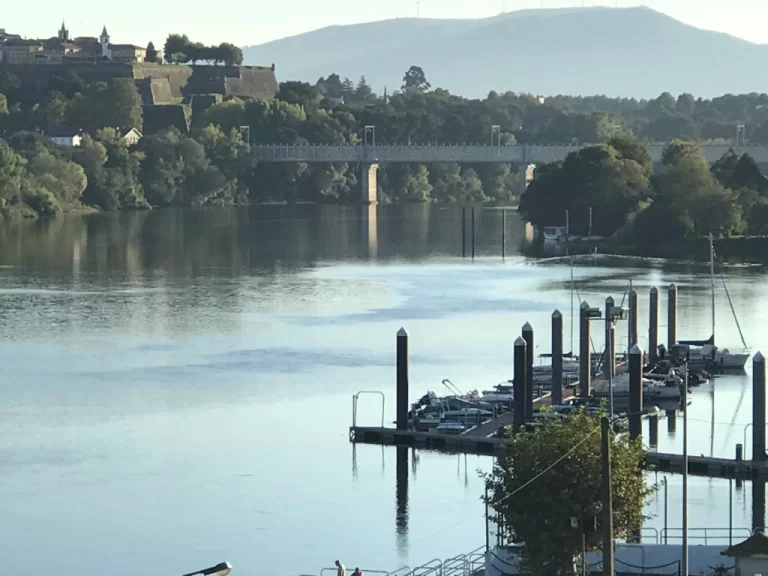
<point x="489" y="446"/>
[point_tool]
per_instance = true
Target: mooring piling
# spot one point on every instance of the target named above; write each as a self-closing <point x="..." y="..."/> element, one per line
<point x="610" y="358"/>
<point x="671" y="316"/>
<point x="585" y="356"/>
<point x="528" y="337"/>
<point x="653" y="326"/>
<point x="402" y="379"/>
<point x="633" y="315"/>
<point x="758" y="408"/>
<point x="653" y="430"/>
<point x="635" y="392"/>
<point x="557" y="358"/>
<point x="519" y="385"/>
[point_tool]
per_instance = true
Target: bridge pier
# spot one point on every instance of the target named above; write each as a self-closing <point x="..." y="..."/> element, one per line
<point x="369" y="184"/>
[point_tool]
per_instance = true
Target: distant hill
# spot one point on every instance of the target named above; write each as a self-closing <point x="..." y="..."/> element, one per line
<point x="635" y="52"/>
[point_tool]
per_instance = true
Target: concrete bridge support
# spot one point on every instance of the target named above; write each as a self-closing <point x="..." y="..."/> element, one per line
<point x="369" y="184"/>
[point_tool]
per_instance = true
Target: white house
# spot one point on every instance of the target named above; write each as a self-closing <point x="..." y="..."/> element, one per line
<point x="68" y="140"/>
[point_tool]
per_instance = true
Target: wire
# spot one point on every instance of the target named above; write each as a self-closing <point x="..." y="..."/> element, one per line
<point x="547" y="469"/>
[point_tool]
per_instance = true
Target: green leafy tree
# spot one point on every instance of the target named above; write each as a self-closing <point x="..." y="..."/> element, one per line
<point x="3" y="104"/>
<point x="175" y="46"/>
<point x="553" y="474"/>
<point x="230" y="54"/>
<point x="151" y="52"/>
<point x="415" y="79"/>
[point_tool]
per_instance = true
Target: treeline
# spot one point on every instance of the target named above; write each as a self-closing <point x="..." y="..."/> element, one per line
<point x="685" y="199"/>
<point x="38" y="177"/>
<point x="179" y="49"/>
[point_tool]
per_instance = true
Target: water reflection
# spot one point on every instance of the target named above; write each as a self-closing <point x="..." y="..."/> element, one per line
<point x="401" y="499"/>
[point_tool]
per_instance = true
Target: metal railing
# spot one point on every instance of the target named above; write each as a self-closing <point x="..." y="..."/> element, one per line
<point x="706" y="534"/>
<point x="356" y="397"/>
<point x="461" y="565"/>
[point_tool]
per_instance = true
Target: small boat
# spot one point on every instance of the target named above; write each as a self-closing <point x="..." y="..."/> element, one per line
<point x="450" y="427"/>
<point x="502" y="393"/>
<point x="668" y="389"/>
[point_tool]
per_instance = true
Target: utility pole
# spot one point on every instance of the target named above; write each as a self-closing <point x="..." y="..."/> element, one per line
<point x="608" y="564"/>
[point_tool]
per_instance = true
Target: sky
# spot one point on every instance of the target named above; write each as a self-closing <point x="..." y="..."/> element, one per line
<point x="247" y="22"/>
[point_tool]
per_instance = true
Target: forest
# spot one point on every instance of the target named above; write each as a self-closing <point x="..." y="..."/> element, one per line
<point x="211" y="164"/>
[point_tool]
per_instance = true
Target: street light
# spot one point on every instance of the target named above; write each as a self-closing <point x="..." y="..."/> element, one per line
<point x="741" y="129"/>
<point x="221" y="569"/>
<point x="372" y="131"/>
<point x="496" y="129"/>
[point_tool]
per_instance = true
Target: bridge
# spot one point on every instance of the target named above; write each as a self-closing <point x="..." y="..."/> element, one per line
<point x="370" y="156"/>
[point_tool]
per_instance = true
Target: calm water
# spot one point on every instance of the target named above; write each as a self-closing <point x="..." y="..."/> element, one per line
<point x="176" y="385"/>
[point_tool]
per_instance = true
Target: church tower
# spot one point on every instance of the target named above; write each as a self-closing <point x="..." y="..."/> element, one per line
<point x="105" y="51"/>
<point x="63" y="33"/>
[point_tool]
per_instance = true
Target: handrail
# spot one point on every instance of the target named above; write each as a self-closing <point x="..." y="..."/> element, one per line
<point x="355" y="398"/>
<point x="363" y="570"/>
<point x="707" y="536"/>
<point x="428" y="568"/>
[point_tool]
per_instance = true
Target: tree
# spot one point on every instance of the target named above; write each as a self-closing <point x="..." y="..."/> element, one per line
<point x="176" y="45"/>
<point x="363" y="92"/>
<point x="151" y="53"/>
<point x="553" y="474"/>
<point x="3" y="104"/>
<point x="415" y="79"/>
<point x="230" y="54"/>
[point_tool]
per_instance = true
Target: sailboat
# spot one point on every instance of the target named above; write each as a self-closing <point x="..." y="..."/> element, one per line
<point x="705" y="350"/>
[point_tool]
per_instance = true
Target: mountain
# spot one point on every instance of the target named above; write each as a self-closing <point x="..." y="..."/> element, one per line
<point x="633" y="52"/>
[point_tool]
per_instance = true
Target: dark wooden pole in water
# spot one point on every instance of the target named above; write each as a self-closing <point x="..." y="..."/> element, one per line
<point x="585" y="359"/>
<point x="473" y="232"/>
<point x="528" y="337"/>
<point x="519" y="385"/>
<point x="402" y="379"/>
<point x="653" y="430"/>
<point x="609" y="357"/>
<point x="608" y="568"/>
<point x="557" y="358"/>
<point x="671" y="422"/>
<point x="758" y="408"/>
<point x="463" y="232"/>
<point x="671" y="316"/>
<point x="504" y="233"/>
<point x="758" y="505"/>
<point x="401" y="490"/>
<point x="653" y="326"/>
<point x="633" y="313"/>
<point x="635" y="392"/>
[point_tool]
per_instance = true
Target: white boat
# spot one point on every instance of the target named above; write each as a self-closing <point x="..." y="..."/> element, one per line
<point x="706" y="351"/>
<point x="554" y="234"/>
<point x="668" y="389"/>
<point x="449" y="427"/>
<point x="501" y="394"/>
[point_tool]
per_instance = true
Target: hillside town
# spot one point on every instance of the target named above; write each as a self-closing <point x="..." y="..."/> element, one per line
<point x="64" y="48"/>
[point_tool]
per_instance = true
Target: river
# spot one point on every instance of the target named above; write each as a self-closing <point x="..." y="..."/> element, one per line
<point x="176" y="384"/>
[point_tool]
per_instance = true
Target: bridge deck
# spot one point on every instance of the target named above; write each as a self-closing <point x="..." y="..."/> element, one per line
<point x="519" y="154"/>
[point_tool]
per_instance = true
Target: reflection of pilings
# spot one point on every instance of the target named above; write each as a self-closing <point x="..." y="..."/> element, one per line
<point x="370" y="232"/>
<point x="401" y="493"/>
<point x="758" y="506"/>
<point x="758" y="408"/>
<point x="653" y="430"/>
<point x="671" y="422"/>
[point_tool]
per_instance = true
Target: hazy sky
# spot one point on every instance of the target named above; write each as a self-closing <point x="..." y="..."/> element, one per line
<point x="247" y="22"/>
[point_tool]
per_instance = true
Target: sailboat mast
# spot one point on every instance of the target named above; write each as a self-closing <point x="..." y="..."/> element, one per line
<point x="712" y="278"/>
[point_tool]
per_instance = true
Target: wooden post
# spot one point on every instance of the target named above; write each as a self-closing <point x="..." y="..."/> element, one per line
<point x="519" y="385"/>
<point x="585" y="358"/>
<point x="528" y="337"/>
<point x="671" y="317"/>
<point x="653" y="430"/>
<point x="608" y="564"/>
<point x="473" y="232"/>
<point x="758" y="408"/>
<point x="653" y="326"/>
<point x="557" y="358"/>
<point x="633" y="313"/>
<point x="402" y="379"/>
<point x="504" y="233"/>
<point x="635" y="392"/>
<point x="610" y="360"/>
<point x="463" y="232"/>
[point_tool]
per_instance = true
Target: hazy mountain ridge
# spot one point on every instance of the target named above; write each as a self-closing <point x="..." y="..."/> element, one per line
<point x="629" y="52"/>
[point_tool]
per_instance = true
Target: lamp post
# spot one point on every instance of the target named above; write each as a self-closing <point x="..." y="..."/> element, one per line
<point x="372" y="131"/>
<point x="496" y="129"/>
<point x="221" y="569"/>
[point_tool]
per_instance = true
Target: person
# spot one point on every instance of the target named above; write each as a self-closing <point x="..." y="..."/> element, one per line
<point x="340" y="569"/>
<point x="357" y="572"/>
